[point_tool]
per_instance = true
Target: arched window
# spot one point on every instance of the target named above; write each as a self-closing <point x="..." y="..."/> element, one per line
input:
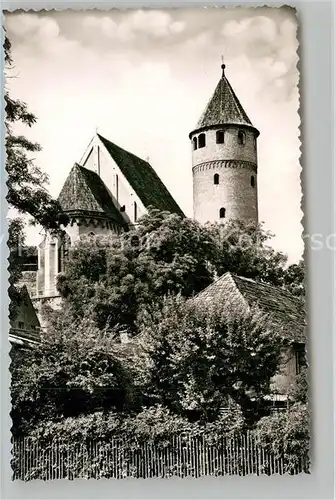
<point x="220" y="137"/>
<point x="135" y="211"/>
<point x="201" y="141"/>
<point x="252" y="181"/>
<point x="216" y="179"/>
<point x="222" y="213"/>
<point x="241" y="137"/>
<point x="195" y="143"/>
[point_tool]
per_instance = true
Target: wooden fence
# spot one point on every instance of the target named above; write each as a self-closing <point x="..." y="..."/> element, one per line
<point x="181" y="455"/>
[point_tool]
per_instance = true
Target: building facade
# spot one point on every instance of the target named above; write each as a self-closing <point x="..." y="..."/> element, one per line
<point x="106" y="193"/>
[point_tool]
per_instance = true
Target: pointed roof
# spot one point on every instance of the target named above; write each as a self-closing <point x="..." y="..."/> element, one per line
<point x="143" y="178"/>
<point x="223" y="108"/>
<point x="85" y="193"/>
<point x="285" y="309"/>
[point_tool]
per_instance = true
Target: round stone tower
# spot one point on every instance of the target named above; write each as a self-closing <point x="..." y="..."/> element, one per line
<point x="224" y="160"/>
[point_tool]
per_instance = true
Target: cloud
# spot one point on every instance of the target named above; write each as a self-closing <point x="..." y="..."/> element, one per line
<point x="143" y="77"/>
<point x="29" y="26"/>
<point x="155" y="24"/>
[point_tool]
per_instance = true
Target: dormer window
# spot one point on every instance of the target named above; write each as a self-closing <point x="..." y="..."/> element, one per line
<point x="201" y="141"/>
<point x="216" y="179"/>
<point x="222" y="213"/>
<point x="241" y="137"/>
<point x="220" y="137"/>
<point x="195" y="143"/>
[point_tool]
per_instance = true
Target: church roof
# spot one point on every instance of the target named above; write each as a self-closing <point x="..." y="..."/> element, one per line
<point x="143" y="178"/>
<point x="84" y="192"/>
<point x="284" y="308"/>
<point x="223" y="108"/>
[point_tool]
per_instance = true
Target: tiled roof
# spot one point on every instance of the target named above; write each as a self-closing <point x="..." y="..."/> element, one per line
<point x="223" y="108"/>
<point x="143" y="179"/>
<point x="285" y="309"/>
<point x="84" y="192"/>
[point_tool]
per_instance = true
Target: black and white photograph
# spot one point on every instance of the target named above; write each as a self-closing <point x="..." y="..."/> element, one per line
<point x="157" y="284"/>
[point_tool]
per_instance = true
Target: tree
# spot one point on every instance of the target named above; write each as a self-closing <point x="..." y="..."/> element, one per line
<point x="116" y="277"/>
<point x="75" y="370"/>
<point x="294" y="279"/>
<point x="26" y="182"/>
<point x="242" y="249"/>
<point x="202" y="356"/>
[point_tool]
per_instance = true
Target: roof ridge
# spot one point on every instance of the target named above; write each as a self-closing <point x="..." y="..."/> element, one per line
<point x="142" y="178"/>
<point x="122" y="149"/>
<point x="266" y="285"/>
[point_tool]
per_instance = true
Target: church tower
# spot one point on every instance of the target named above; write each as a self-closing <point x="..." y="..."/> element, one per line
<point x="224" y="160"/>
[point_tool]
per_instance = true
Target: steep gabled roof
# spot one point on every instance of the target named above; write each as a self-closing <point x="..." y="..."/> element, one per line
<point x="25" y="313"/>
<point x="285" y="309"/>
<point x="84" y="192"/>
<point x="223" y="108"/>
<point x="143" y="178"/>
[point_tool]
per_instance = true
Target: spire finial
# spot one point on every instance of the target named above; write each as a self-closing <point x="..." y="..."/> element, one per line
<point x="223" y="66"/>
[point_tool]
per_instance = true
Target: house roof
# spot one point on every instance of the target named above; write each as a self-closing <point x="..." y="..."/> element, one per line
<point x="84" y="192"/>
<point x="223" y="108"/>
<point x="285" y="309"/>
<point x="25" y="312"/>
<point x="143" y="178"/>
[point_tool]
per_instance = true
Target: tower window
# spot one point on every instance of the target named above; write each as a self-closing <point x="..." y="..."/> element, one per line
<point x="220" y="137"/>
<point x="195" y="143"/>
<point x="201" y="141"/>
<point x="222" y="213"/>
<point x="241" y="137"/>
<point x="252" y="181"/>
<point x="135" y="211"/>
<point x="216" y="179"/>
<point x="117" y="187"/>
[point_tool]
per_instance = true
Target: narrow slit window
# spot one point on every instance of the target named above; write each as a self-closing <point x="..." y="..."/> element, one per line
<point x="195" y="143"/>
<point x="135" y="211"/>
<point x="216" y="179"/>
<point x="222" y="213"/>
<point x="98" y="160"/>
<point x="220" y="137"/>
<point x="252" y="181"/>
<point x="241" y="137"/>
<point x="201" y="141"/>
<point x="117" y="187"/>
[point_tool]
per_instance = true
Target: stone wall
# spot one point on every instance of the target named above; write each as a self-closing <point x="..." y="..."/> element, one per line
<point x="235" y="165"/>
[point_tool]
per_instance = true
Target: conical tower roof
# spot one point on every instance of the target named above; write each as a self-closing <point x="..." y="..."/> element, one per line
<point x="85" y="193"/>
<point x="224" y="108"/>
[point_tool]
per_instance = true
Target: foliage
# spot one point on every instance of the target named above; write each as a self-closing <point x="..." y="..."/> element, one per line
<point x="26" y="182"/>
<point x="294" y="279"/>
<point x="116" y="277"/>
<point x="287" y="434"/>
<point x="243" y="250"/>
<point x="75" y="370"/>
<point x="204" y="355"/>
